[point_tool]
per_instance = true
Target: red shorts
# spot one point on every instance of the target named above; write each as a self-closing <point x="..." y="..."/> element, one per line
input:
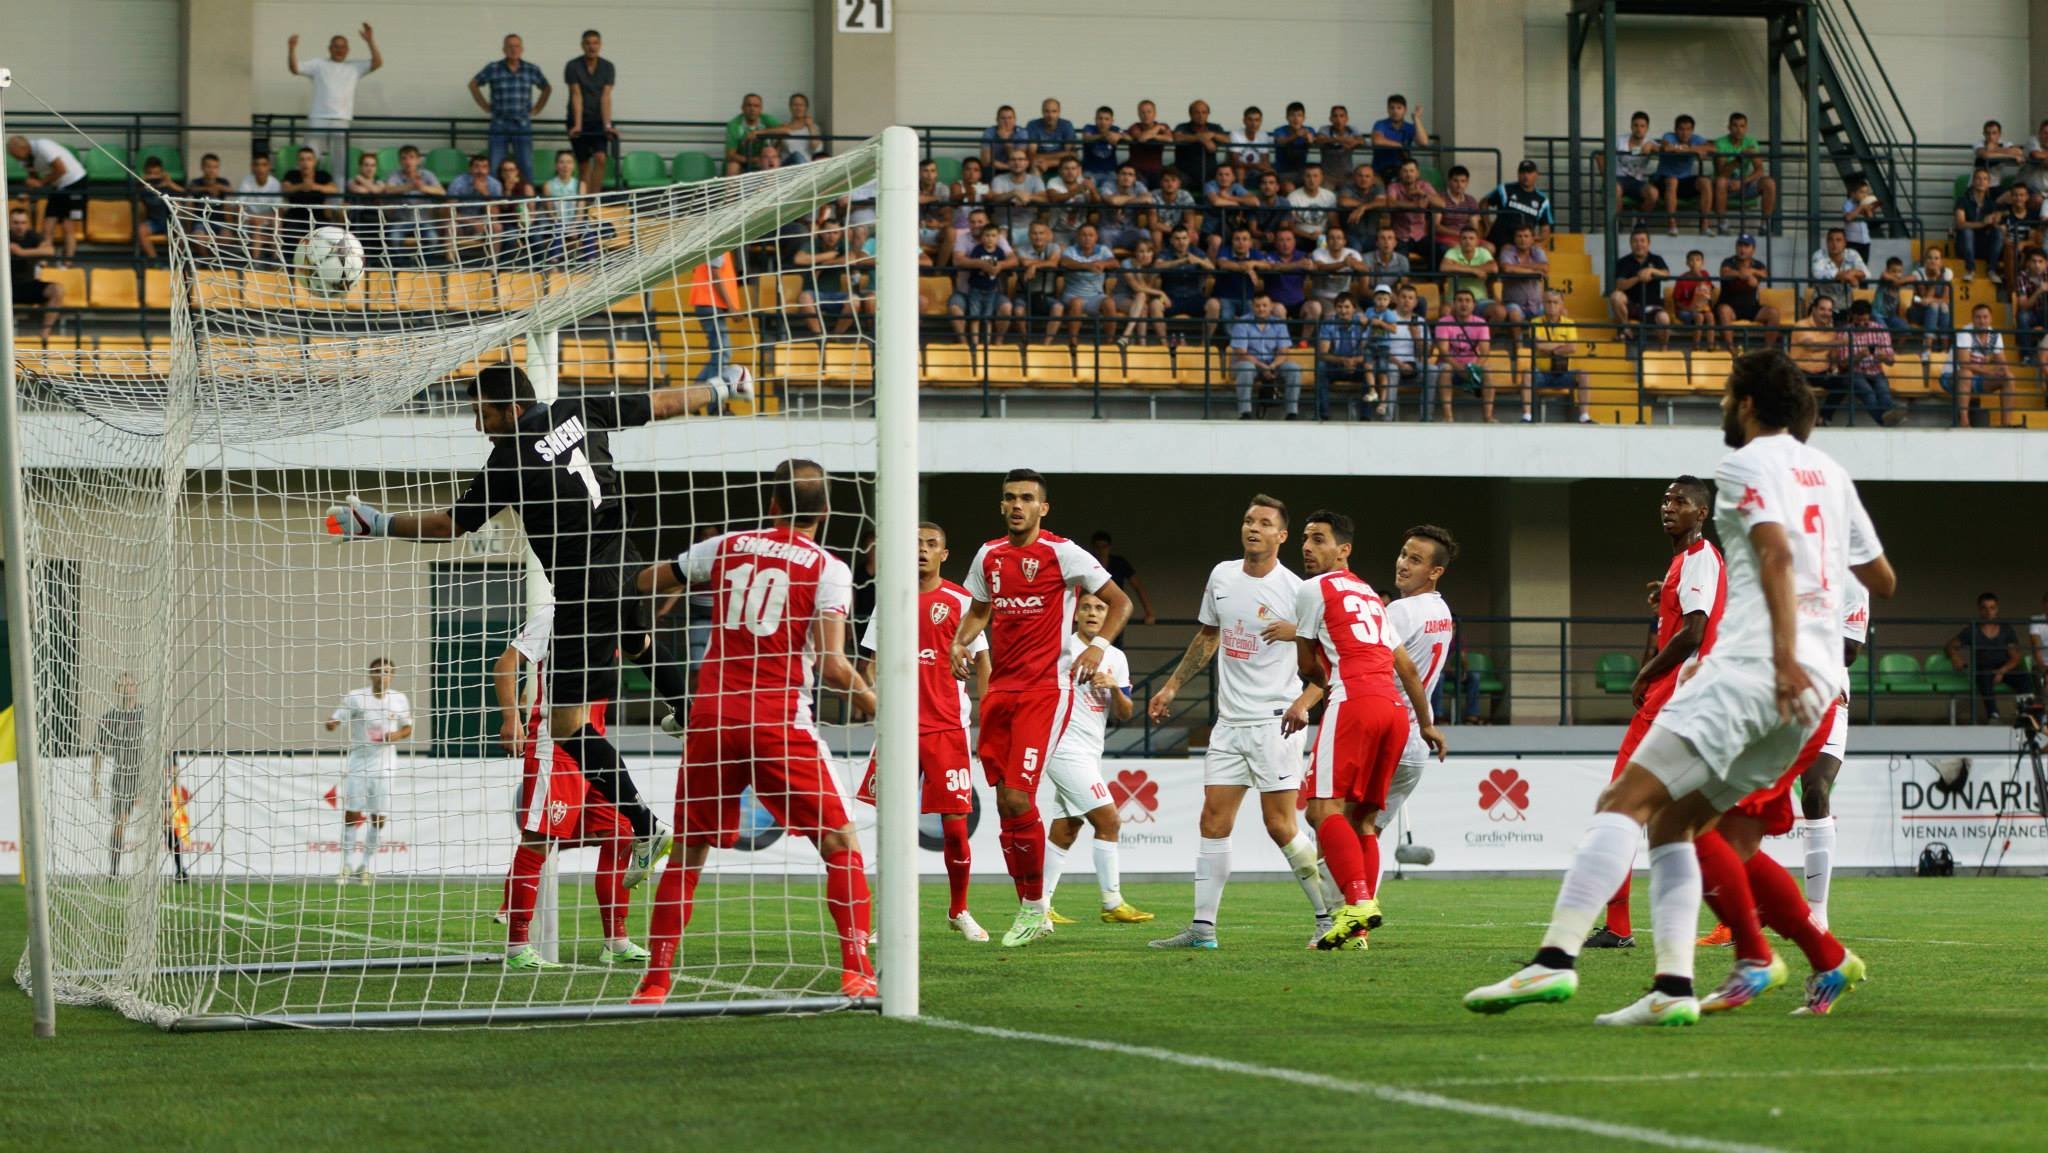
<point x="785" y="763"/>
<point x="1773" y="805"/>
<point x="1018" y="733"/>
<point x="1357" y="750"/>
<point x="1639" y="725"/>
<point x="943" y="764"/>
<point x="560" y="805"/>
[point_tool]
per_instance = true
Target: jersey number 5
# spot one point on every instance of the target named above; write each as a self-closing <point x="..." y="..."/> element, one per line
<point x="755" y="598"/>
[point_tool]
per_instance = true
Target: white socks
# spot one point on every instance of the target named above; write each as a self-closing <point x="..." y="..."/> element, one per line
<point x="1108" y="873"/>
<point x="1602" y="859"/>
<point x="1212" y="872"/>
<point x="1675" y="893"/>
<point x="351" y="845"/>
<point x="370" y="840"/>
<point x="1055" y="864"/>
<point x="1820" y="866"/>
<point x="1301" y="857"/>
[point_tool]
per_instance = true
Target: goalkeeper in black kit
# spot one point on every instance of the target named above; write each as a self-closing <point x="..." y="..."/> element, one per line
<point x="553" y="462"/>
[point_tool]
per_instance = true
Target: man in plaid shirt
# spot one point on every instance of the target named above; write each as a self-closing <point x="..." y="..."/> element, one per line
<point x="511" y="104"/>
<point x="1870" y="351"/>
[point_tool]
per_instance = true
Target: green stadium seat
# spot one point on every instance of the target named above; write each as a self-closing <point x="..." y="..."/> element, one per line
<point x="1861" y="682"/>
<point x="1433" y="175"/>
<point x="100" y="168"/>
<point x="354" y="155"/>
<point x="446" y="164"/>
<point x="387" y="161"/>
<point x="1900" y="673"/>
<point x="1941" y="676"/>
<point x="16" y="174"/>
<point x="1489" y="680"/>
<point x="172" y="156"/>
<point x="642" y="170"/>
<point x="1616" y="672"/>
<point x="949" y="168"/>
<point x="691" y="167"/>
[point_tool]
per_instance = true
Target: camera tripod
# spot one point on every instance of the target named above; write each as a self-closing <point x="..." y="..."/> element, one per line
<point x="2028" y="725"/>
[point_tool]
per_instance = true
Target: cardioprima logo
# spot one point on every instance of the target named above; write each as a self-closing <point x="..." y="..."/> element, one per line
<point x="1135" y="794"/>
<point x="1504" y="795"/>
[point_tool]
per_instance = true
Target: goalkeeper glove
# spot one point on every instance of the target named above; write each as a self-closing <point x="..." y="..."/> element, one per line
<point x="738" y="385"/>
<point x="355" y="520"/>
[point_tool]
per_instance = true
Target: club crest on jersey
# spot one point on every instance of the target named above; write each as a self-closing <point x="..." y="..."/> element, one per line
<point x="1751" y="498"/>
<point x="940" y="611"/>
<point x="558" y="811"/>
<point x="1030" y="566"/>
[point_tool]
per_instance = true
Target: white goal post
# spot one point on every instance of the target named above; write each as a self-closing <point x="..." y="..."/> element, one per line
<point x="183" y="628"/>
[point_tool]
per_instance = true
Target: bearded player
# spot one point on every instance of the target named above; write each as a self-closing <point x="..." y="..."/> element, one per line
<point x="943" y="711"/>
<point x="1080" y="798"/>
<point x="779" y="600"/>
<point x="1023" y="586"/>
<point x="1424" y="621"/>
<point x="1247" y="625"/>
<point x="1690" y="600"/>
<point x="1351" y="656"/>
<point x="1794" y="530"/>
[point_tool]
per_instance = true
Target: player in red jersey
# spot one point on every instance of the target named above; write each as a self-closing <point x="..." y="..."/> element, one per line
<point x="556" y="806"/>
<point x="1024" y="586"/>
<point x="777" y="598"/>
<point x="1689" y="602"/>
<point x="942" y="714"/>
<point x="1350" y="655"/>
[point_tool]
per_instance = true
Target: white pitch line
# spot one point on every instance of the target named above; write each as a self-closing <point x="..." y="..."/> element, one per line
<point x="1392" y="1094"/>
<point x="1721" y="1075"/>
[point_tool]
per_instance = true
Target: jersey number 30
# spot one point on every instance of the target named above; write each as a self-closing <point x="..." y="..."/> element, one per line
<point x="755" y="598"/>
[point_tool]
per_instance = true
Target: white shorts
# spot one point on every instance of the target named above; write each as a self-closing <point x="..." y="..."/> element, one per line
<point x="1720" y="733"/>
<point x="1254" y="756"/>
<point x="1407" y="775"/>
<point x="1076" y="784"/>
<point x="365" y="792"/>
<point x="1837" y="743"/>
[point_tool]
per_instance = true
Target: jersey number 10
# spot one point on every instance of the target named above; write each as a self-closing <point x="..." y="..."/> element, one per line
<point x="755" y="598"/>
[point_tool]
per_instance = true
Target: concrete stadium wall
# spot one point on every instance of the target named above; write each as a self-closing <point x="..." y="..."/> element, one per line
<point x="93" y="55"/>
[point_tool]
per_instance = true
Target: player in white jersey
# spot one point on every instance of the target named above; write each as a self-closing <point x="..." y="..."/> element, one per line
<point x="1075" y="767"/>
<point x="1424" y="623"/>
<point x="377" y="718"/>
<point x="1247" y="616"/>
<point x="1817" y="828"/>
<point x="1793" y="529"/>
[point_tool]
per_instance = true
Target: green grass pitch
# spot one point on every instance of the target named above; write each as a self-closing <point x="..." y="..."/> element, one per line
<point x="1946" y="1048"/>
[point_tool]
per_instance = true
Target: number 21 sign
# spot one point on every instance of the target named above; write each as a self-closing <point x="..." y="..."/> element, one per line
<point x="865" y="15"/>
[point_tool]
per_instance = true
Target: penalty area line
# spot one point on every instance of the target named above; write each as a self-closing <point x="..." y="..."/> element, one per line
<point x="1392" y="1094"/>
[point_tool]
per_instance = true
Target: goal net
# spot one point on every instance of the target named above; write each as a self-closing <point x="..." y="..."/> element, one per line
<point x="202" y="697"/>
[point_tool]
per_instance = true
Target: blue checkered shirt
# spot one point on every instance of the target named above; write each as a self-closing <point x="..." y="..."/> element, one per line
<point x="512" y="92"/>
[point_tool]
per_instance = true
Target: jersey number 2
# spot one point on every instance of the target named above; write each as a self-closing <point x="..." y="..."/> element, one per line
<point x="755" y="598"/>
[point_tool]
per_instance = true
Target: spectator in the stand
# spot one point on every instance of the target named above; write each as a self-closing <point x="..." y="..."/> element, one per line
<point x="1145" y="144"/>
<point x="1680" y="167"/>
<point x="1382" y="326"/>
<point x="1051" y="138"/>
<point x="1739" y="172"/>
<point x="1286" y="278"/>
<point x="1222" y="199"/>
<point x="1996" y="155"/>
<point x="513" y="216"/>
<point x="1098" y="146"/>
<point x="929" y="190"/>
<point x="1014" y="192"/>
<point x="1291" y="143"/>
<point x="969" y="192"/>
<point x="54" y="168"/>
<point x="1086" y="263"/>
<point x="1001" y="139"/>
<point x="26" y="249"/>
<point x="2037" y="635"/>
<point x="1238" y="279"/>
<point x="2026" y="211"/>
<point x="1471" y="267"/>
<point x="1407" y="351"/>
<point x="210" y="186"/>
<point x="1638" y="296"/>
<point x="1462" y="344"/>
<point x="1524" y="271"/>
<point x="1313" y="205"/>
<point x="590" y="79"/>
<point x="1980" y="227"/>
<point x="1859" y="208"/>
<point x="1198" y="143"/>
<point x="1457" y="207"/>
<point x="562" y="210"/>
<point x="512" y="105"/>
<point x="477" y="187"/>
<point x="1072" y="197"/>
<point x="1127" y="212"/>
<point x="156" y="209"/>
<point x="1632" y="159"/>
<point x="1979" y="367"/>
<point x="1989" y="651"/>
<point x="1870" y="354"/>
<point x="1884" y="296"/>
<point x="405" y="222"/>
<point x="714" y="294"/>
<point x="1519" y="203"/>
<point x="1124" y="573"/>
<point x="1821" y="350"/>
<point x="743" y="140"/>
<point x="1334" y="263"/>
<point x="1270" y="218"/>
<point x="1742" y="277"/>
<point x="1340" y="143"/>
<point x="1140" y="293"/>
<point x="1692" y="298"/>
<point x="1038" y="274"/>
<point x="1386" y="263"/>
<point x="2030" y="298"/>
<point x="1555" y="340"/>
<point x="1172" y="204"/>
<point x="833" y="293"/>
<point x="980" y="309"/>
<point x="1251" y="146"/>
<point x="1184" y="274"/>
<point x="334" y="91"/>
<point x="1363" y="201"/>
<point x="1393" y="137"/>
<point x="802" y="139"/>
<point x="1837" y="271"/>
<point x="2034" y="175"/>
<point x="1341" y="349"/>
<point x="307" y="188"/>
<point x="259" y="199"/>
<point x="1935" y="312"/>
<point x="1258" y="358"/>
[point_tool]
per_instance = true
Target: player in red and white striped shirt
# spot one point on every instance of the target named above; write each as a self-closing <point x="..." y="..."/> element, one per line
<point x="777" y="598"/>
<point x="942" y="715"/>
<point x="1024" y="586"/>
<point x="1351" y="656"/>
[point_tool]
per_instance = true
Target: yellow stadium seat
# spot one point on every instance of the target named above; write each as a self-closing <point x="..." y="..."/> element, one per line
<point x="932" y="294"/>
<point x="156" y="288"/>
<point x="114" y="288"/>
<point x="584" y="361"/>
<point x="798" y="360"/>
<point x="1710" y="372"/>
<point x="266" y="288"/>
<point x="1666" y="374"/>
<point x="216" y="288"/>
<point x="1147" y="367"/>
<point x="73" y="280"/>
<point x="850" y="362"/>
<point x="109" y="222"/>
<point x="951" y="364"/>
<point x="636" y="361"/>
<point x="471" y="292"/>
<point x="517" y="290"/>
<point x="1050" y="366"/>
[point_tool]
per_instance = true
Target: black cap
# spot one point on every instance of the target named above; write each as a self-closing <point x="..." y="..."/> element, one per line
<point x="1526" y="166"/>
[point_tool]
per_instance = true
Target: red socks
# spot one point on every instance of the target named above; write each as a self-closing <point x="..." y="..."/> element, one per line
<point x="1782" y="904"/>
<point x="1345" y="856"/>
<point x="1726" y="887"/>
<point x="1617" y="912"/>
<point x="1023" y="841"/>
<point x="522" y="888"/>
<point x="846" y="897"/>
<point x="613" y="899"/>
<point x="673" y="896"/>
<point x="958" y="863"/>
<point x="1370" y="846"/>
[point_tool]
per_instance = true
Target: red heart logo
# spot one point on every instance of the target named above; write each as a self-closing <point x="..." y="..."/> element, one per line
<point x="1135" y="784"/>
<point x="1503" y="784"/>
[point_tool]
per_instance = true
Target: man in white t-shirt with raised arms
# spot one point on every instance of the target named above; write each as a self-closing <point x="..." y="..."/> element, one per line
<point x="1080" y="798"/>
<point x="1793" y="530"/>
<point x="1423" y="620"/>
<point x="1247" y="624"/>
<point x="334" y="93"/>
<point x="377" y="718"/>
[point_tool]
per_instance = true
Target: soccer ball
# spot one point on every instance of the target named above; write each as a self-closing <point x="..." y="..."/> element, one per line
<point x="329" y="262"/>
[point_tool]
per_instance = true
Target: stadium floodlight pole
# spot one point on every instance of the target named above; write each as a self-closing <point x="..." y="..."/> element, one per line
<point x="35" y="865"/>
<point x="895" y="580"/>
